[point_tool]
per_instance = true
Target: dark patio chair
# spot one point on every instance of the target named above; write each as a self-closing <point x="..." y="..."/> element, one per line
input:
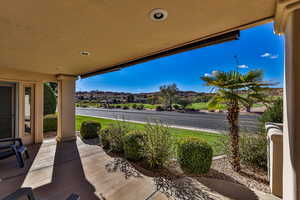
<point x="27" y="192"/>
<point x="13" y="147"/>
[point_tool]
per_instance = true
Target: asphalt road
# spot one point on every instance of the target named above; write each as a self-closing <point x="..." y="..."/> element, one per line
<point x="199" y="120"/>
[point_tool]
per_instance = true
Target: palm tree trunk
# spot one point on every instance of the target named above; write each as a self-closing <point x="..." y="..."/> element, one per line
<point x="232" y="117"/>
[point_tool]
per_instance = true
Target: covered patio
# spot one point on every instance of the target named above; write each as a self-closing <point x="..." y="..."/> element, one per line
<point x="55" y="170"/>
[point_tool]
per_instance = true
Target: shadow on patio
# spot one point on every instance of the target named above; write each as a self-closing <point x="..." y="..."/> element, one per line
<point x="56" y="170"/>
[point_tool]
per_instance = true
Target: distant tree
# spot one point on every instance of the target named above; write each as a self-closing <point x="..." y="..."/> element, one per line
<point x="153" y="99"/>
<point x="203" y="98"/>
<point x="274" y="113"/>
<point x="184" y="102"/>
<point x="130" y="98"/>
<point x="228" y="87"/>
<point x="168" y="93"/>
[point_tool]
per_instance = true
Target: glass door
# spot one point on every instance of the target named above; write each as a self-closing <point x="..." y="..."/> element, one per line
<point x="28" y="109"/>
<point x="7" y="110"/>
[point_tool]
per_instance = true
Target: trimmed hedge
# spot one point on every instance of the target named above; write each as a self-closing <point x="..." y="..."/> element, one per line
<point x="194" y="155"/>
<point x="90" y="129"/>
<point x="133" y="145"/>
<point x="50" y="123"/>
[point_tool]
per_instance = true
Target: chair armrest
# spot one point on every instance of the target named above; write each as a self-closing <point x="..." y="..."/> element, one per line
<point x="73" y="197"/>
<point x="19" y="140"/>
<point x="21" y="193"/>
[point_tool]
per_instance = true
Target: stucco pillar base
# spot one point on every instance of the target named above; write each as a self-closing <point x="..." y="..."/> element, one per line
<point x="64" y="139"/>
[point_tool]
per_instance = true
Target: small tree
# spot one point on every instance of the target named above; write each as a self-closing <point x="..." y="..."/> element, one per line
<point x="168" y="93"/>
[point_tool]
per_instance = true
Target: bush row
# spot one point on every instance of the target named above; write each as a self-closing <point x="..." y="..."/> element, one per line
<point x="156" y="145"/>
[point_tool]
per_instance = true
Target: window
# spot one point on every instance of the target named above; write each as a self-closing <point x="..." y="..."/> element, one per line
<point x="28" y="109"/>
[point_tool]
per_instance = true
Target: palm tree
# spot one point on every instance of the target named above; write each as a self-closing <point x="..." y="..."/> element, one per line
<point x="228" y="87"/>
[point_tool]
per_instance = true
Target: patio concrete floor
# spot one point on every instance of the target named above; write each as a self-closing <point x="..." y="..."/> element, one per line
<point x="56" y="170"/>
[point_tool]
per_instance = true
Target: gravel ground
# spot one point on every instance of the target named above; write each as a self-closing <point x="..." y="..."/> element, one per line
<point x="250" y="177"/>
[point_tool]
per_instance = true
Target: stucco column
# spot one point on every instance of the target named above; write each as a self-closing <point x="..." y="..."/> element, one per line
<point x="39" y="112"/>
<point x="291" y="133"/>
<point x="66" y="108"/>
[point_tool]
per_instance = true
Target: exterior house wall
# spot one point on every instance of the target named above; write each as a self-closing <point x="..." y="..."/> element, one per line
<point x="34" y="80"/>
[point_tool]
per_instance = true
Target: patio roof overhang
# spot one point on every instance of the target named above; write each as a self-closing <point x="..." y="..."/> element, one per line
<point x="48" y="36"/>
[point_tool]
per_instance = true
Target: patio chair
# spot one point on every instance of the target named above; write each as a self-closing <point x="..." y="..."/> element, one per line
<point x="27" y="192"/>
<point x="13" y="147"/>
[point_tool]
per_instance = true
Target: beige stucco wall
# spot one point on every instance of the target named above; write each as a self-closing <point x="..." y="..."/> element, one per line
<point x="291" y="133"/>
<point x="36" y="80"/>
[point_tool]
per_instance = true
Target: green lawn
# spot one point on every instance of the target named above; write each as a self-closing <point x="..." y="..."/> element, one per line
<point x="204" y="106"/>
<point x="148" y="106"/>
<point x="211" y="138"/>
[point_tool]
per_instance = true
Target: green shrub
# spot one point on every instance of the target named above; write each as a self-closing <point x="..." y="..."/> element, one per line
<point x="50" y="123"/>
<point x="194" y="155"/>
<point x="273" y="113"/>
<point x="104" y="138"/>
<point x="125" y="107"/>
<point x="140" y="107"/>
<point x="49" y="100"/>
<point x="176" y="107"/>
<point x="133" y="145"/>
<point x="90" y="129"/>
<point x="159" y="108"/>
<point x="134" y="106"/>
<point x="116" y="133"/>
<point x="118" y="106"/>
<point x="254" y="150"/>
<point x="158" y="147"/>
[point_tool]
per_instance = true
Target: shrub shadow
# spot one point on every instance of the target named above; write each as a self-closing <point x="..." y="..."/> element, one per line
<point x="226" y="186"/>
<point x="181" y="188"/>
<point x="122" y="165"/>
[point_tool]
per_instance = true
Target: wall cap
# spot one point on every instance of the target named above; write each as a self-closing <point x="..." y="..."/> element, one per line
<point x="274" y="130"/>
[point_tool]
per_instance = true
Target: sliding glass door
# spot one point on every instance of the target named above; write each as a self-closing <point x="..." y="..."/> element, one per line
<point x="7" y="110"/>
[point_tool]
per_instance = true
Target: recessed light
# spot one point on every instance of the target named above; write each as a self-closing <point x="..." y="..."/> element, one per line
<point x="84" y="53"/>
<point x="158" y="14"/>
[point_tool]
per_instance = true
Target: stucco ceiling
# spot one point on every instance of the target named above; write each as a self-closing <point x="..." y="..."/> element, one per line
<point x="47" y="36"/>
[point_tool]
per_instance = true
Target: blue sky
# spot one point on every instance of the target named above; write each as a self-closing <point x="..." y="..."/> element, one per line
<point x="257" y="48"/>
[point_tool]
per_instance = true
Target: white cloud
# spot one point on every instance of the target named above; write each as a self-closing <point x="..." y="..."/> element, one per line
<point x="215" y="72"/>
<point x="269" y="55"/>
<point x="243" y="67"/>
<point x="274" y="57"/>
<point x="265" y="55"/>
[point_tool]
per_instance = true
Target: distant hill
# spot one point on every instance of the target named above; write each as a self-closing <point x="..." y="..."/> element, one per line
<point x="120" y="97"/>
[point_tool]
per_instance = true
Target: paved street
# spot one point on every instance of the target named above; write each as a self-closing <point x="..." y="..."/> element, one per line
<point x="199" y="120"/>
